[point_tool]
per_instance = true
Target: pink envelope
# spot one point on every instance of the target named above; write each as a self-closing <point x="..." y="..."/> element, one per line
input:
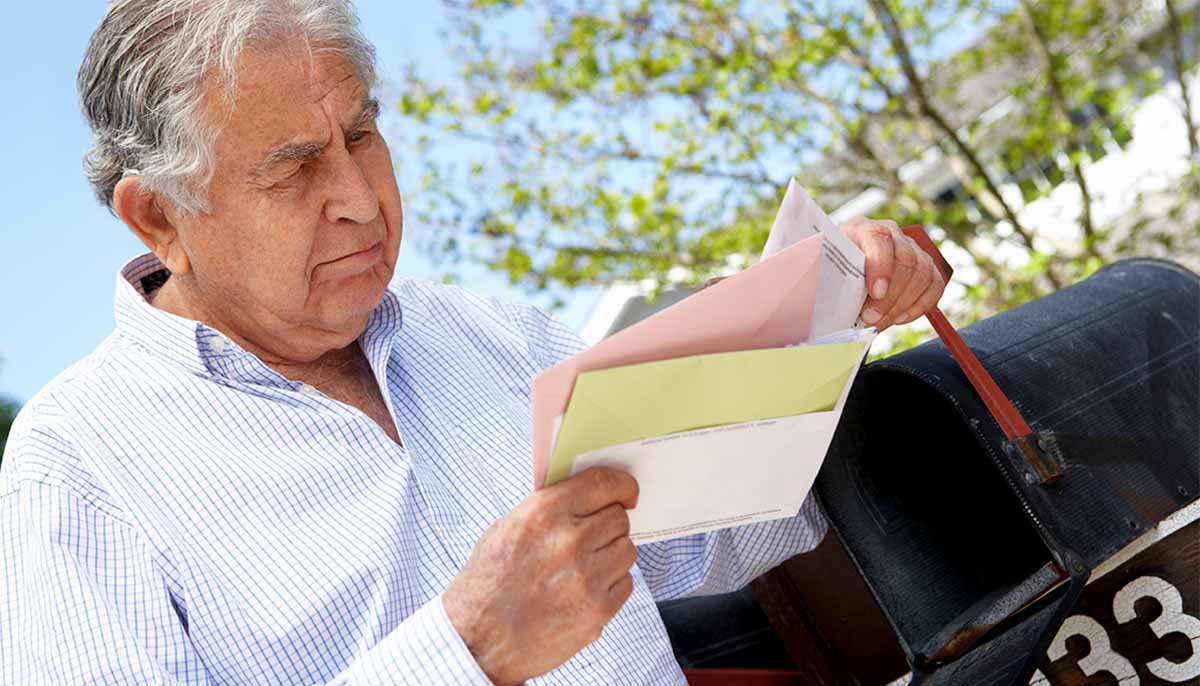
<point x="769" y="305"/>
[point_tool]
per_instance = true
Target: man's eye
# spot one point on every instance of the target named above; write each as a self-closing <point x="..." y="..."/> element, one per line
<point x="358" y="137"/>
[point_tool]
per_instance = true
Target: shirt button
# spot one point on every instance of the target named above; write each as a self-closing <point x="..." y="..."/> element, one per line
<point x="309" y="390"/>
<point x="219" y="344"/>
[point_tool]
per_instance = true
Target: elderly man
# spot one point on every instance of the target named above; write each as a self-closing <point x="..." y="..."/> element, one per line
<point x="284" y="466"/>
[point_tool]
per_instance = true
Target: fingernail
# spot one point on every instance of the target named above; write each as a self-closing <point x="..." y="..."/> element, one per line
<point x="879" y="289"/>
<point x="870" y="316"/>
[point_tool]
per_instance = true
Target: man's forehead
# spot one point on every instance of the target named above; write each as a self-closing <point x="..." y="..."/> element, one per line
<point x="340" y="80"/>
<point x="282" y="96"/>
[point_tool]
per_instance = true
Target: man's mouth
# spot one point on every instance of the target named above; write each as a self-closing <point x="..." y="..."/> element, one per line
<point x="371" y="250"/>
<point x="350" y="265"/>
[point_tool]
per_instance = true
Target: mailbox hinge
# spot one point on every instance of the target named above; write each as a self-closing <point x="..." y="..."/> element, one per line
<point x="1045" y="468"/>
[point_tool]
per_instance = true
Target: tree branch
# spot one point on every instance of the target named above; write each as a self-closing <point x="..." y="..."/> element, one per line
<point x="930" y="111"/>
<point x="1176" y="30"/>
<point x="626" y="154"/>
<point x="1059" y="101"/>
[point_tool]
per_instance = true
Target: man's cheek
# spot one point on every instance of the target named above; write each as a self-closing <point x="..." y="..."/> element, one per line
<point x="377" y="167"/>
<point x="383" y="181"/>
<point x="278" y="268"/>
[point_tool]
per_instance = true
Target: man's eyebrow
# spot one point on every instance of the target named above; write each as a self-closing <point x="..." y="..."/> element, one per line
<point x="290" y="152"/>
<point x="307" y="152"/>
<point x="368" y="113"/>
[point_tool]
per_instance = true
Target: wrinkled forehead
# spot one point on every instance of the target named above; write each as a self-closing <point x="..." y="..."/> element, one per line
<point x="281" y="94"/>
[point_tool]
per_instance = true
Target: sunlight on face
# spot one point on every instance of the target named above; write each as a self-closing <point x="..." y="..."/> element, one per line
<point x="307" y="219"/>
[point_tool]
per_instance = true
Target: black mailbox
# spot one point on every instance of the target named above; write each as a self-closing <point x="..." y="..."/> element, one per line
<point x="974" y="556"/>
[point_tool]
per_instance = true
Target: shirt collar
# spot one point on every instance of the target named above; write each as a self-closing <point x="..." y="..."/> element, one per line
<point x="161" y="333"/>
<point x="205" y="350"/>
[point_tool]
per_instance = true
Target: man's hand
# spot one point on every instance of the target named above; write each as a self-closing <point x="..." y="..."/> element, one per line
<point x="543" y="582"/>
<point x="902" y="282"/>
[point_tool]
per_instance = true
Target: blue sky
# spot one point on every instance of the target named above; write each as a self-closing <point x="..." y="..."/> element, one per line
<point x="59" y="249"/>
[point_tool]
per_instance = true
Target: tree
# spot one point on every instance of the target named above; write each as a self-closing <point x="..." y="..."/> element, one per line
<point x="653" y="139"/>
<point x="1179" y="26"/>
<point x="8" y="413"/>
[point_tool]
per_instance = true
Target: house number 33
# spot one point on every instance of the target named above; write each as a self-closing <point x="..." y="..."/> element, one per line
<point x="1102" y="658"/>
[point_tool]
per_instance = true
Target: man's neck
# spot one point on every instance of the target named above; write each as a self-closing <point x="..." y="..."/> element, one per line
<point x="343" y="374"/>
<point x="331" y="369"/>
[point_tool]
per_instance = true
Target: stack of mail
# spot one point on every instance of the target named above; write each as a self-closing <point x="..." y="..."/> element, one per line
<point x="723" y="405"/>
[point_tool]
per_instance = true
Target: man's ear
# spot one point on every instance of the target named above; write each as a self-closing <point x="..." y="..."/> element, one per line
<point x="143" y="214"/>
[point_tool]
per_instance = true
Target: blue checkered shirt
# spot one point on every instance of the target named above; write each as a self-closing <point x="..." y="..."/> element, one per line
<point x="174" y="511"/>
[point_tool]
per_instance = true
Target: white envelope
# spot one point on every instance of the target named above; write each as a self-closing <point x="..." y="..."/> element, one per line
<point x="719" y="477"/>
<point x="714" y="478"/>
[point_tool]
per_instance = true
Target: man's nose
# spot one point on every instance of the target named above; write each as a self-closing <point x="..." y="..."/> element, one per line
<point x="351" y="197"/>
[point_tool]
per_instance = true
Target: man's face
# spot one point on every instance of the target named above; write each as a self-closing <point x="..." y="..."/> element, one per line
<point x="306" y="215"/>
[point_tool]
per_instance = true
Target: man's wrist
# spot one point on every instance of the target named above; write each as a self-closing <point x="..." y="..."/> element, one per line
<point x="464" y="616"/>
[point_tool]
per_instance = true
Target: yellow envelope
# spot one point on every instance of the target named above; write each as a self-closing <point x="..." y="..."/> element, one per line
<point x="640" y="401"/>
<point x="769" y="305"/>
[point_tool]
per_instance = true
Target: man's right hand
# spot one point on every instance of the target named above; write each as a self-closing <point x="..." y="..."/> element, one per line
<point x="543" y="581"/>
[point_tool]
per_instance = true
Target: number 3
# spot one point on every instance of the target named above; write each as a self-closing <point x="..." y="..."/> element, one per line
<point x="1100" y="656"/>
<point x="1171" y="620"/>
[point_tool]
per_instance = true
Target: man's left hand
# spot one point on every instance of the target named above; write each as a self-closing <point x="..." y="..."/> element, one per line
<point x="902" y="281"/>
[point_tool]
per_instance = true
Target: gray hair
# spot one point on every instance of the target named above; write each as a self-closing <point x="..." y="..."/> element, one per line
<point x="143" y="77"/>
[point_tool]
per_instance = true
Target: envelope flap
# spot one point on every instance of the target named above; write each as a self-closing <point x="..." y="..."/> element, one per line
<point x="766" y="306"/>
<point x="640" y="401"/>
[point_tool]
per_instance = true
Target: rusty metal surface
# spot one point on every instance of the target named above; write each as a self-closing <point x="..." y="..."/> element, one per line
<point x="1030" y="447"/>
<point x="991" y="613"/>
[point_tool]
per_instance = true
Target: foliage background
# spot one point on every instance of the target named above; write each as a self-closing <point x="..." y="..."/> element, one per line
<point x="651" y="141"/>
<point x="8" y="412"/>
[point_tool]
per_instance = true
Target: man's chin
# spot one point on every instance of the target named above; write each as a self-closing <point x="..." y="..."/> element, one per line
<point x="349" y="302"/>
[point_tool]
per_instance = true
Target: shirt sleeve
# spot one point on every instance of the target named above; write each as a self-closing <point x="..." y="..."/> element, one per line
<point x="85" y="599"/>
<point x="424" y="649"/>
<point x="700" y="564"/>
<point x="550" y="340"/>
<point x="726" y="560"/>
